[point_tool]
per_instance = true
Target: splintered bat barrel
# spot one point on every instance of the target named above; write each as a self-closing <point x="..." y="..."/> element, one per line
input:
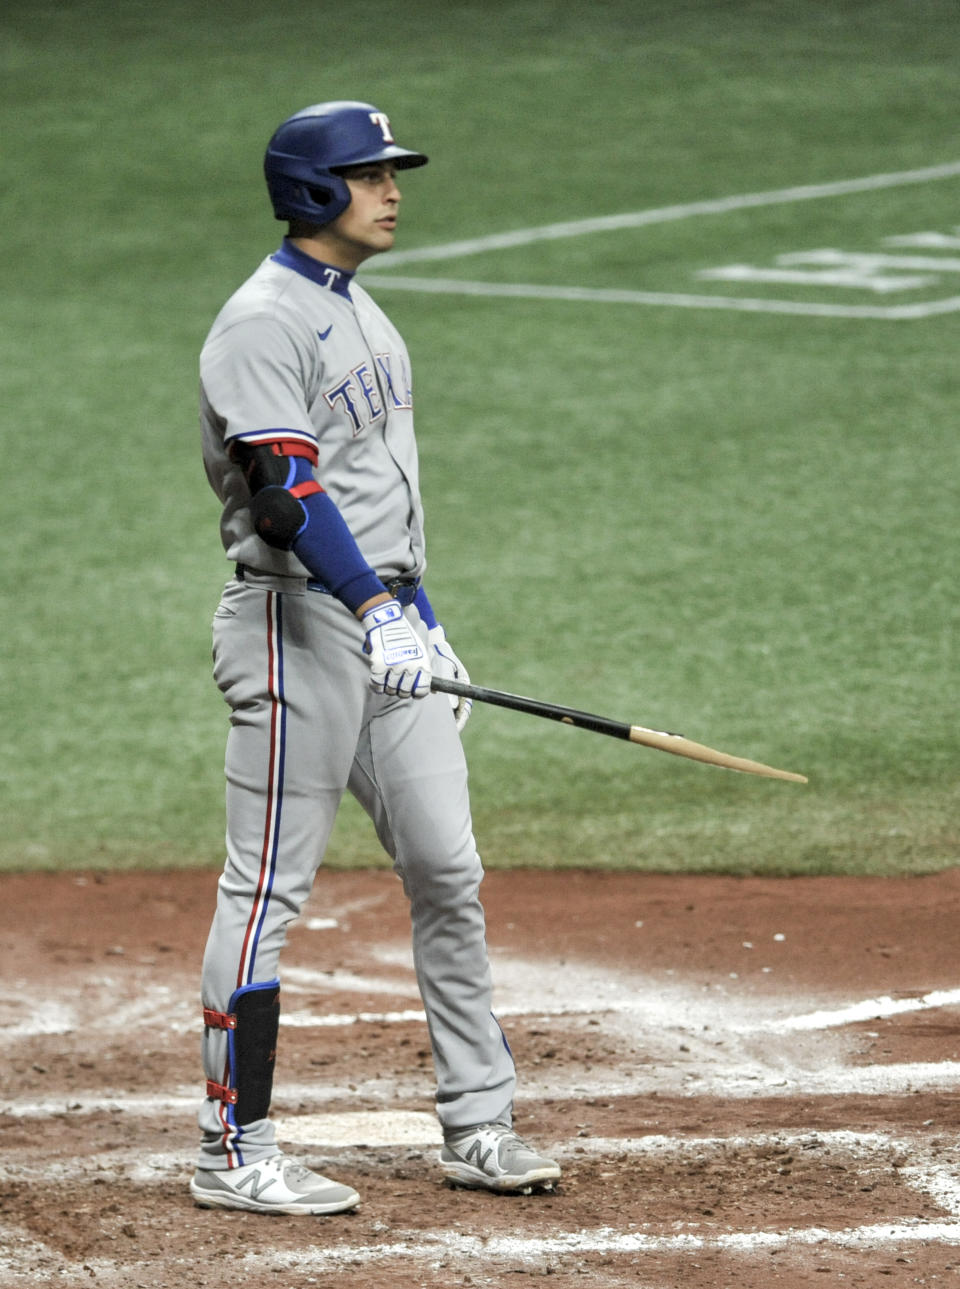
<point x="663" y="740"/>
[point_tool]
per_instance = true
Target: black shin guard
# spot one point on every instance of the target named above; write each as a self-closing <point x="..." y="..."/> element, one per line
<point x="252" y="1023"/>
<point x="257" y="1009"/>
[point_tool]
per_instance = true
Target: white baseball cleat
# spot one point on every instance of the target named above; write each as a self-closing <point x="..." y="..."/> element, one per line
<point x="492" y="1157"/>
<point x="274" y="1185"/>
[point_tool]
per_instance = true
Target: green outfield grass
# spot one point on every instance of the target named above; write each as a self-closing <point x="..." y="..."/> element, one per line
<point x="742" y="526"/>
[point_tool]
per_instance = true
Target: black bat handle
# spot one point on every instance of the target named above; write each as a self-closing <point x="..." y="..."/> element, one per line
<point x="533" y="706"/>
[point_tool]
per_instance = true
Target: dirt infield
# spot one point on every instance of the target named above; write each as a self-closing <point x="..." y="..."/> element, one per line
<point x="748" y="1083"/>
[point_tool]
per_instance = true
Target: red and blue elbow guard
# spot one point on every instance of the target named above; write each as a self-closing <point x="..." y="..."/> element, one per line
<point x="298" y="515"/>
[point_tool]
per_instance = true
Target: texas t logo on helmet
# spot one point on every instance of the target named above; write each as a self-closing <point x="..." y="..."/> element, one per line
<point x="378" y="118"/>
<point x="309" y="150"/>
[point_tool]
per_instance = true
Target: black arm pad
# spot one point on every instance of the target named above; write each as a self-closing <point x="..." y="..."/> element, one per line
<point x="277" y="516"/>
<point x="261" y="466"/>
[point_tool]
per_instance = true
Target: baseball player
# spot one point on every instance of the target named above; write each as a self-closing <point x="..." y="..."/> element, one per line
<point x="324" y="647"/>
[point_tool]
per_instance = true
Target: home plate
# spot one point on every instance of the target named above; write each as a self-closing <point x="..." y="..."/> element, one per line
<point x="361" y="1128"/>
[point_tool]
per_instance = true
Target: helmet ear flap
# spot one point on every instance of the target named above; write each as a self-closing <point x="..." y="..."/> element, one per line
<point x="317" y="198"/>
<point x="320" y="196"/>
<point x="329" y="199"/>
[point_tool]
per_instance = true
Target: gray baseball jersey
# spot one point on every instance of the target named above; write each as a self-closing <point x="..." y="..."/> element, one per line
<point x="302" y="351"/>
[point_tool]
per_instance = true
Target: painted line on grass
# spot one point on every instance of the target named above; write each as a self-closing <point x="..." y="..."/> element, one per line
<point x="666" y="215"/>
<point x="600" y="295"/>
<point x="662" y="215"/>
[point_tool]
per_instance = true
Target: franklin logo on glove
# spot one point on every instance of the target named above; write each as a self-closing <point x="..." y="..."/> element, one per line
<point x="398" y="660"/>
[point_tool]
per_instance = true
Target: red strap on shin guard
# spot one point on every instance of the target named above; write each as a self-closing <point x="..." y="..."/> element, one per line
<point x="219" y="1020"/>
<point x="220" y="1093"/>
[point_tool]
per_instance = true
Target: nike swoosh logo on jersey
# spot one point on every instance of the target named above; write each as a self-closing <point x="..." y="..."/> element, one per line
<point x="323" y="334"/>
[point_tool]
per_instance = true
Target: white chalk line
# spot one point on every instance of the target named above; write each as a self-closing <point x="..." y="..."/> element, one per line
<point x="709" y="1071"/>
<point x="126" y="1103"/>
<point x="525" y="989"/>
<point x="484" y="1252"/>
<point x="339" y="1020"/>
<point x="47" y="1016"/>
<point x="324" y="1130"/>
<point x="144" y="1168"/>
<point x="667" y="214"/>
<point x="662" y="215"/>
<point x="926" y="1173"/>
<point x="601" y="295"/>
<point x="869" y="1009"/>
<point x="739" y="1080"/>
<point x="734" y="1082"/>
<point x="418" y="1128"/>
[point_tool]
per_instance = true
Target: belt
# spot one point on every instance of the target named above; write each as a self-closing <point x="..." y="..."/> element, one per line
<point x="403" y="589"/>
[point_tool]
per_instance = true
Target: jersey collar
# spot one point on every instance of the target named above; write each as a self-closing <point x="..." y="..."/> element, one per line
<point x="325" y="275"/>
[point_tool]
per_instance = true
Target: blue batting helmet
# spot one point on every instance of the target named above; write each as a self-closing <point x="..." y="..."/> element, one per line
<point x="307" y="151"/>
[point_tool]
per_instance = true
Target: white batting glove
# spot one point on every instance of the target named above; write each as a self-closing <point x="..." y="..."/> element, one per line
<point x="448" y="665"/>
<point x="399" y="663"/>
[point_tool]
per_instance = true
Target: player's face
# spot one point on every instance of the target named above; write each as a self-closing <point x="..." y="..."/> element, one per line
<point x="368" y="224"/>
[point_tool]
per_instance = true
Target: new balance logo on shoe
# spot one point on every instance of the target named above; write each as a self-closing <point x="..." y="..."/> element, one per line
<point x="252" y="1183"/>
<point x="479" y="1155"/>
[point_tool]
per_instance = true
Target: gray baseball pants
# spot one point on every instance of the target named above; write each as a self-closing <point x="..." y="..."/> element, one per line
<point x="305" y="727"/>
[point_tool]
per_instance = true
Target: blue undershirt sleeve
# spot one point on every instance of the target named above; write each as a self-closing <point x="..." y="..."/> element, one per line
<point x="327" y="548"/>
<point x="425" y="609"/>
<point x="324" y="543"/>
